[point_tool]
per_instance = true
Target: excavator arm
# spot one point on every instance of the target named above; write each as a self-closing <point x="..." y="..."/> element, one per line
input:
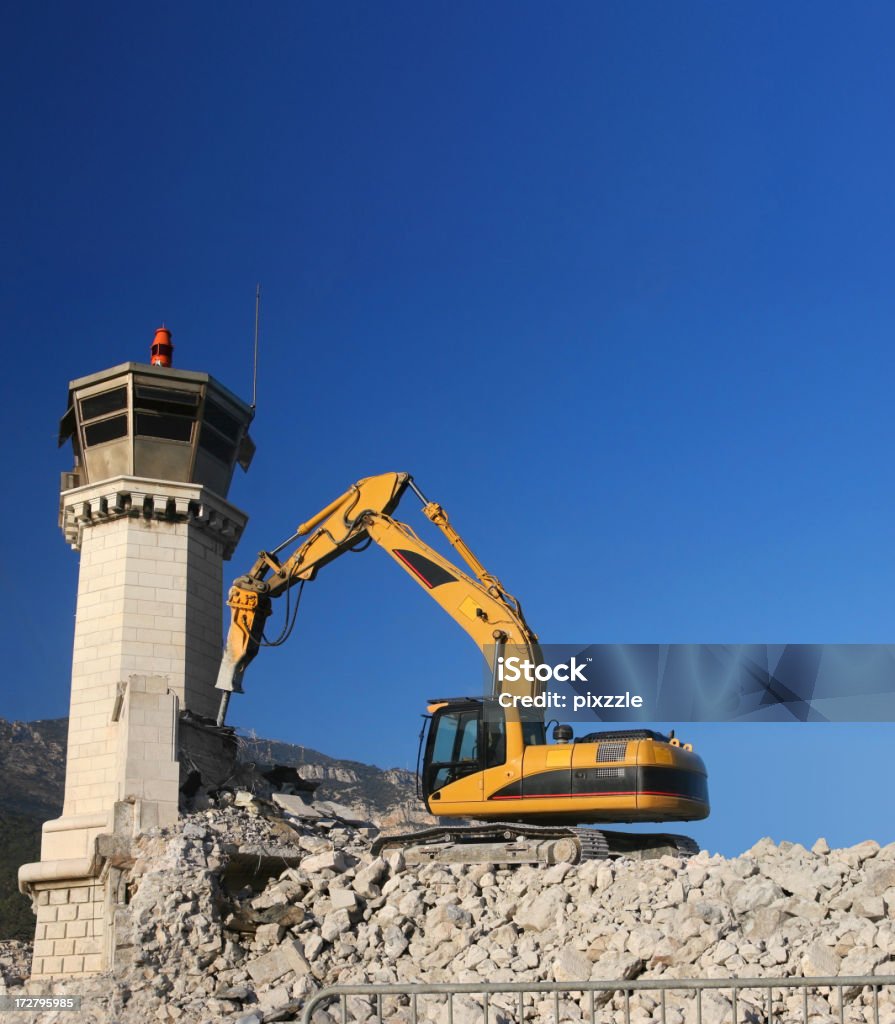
<point x="478" y="603"/>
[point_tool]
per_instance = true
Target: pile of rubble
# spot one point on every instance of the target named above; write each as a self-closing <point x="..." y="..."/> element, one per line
<point x="240" y="913"/>
<point x="15" y="964"/>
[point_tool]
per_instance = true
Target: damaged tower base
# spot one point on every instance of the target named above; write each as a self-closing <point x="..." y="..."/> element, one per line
<point x="77" y="888"/>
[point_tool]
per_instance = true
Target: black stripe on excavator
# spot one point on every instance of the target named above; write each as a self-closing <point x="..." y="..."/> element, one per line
<point x="645" y="780"/>
<point x="427" y="571"/>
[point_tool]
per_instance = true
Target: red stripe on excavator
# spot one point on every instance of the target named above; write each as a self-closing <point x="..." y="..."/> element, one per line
<point x="413" y="569"/>
<point x="612" y="792"/>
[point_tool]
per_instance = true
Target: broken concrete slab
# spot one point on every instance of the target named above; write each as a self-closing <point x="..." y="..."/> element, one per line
<point x="286" y="957"/>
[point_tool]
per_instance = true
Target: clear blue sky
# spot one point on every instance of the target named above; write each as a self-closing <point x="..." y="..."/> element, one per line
<point x="614" y="281"/>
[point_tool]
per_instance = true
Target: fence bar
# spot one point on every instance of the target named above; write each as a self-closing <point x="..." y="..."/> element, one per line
<point x="340" y="993"/>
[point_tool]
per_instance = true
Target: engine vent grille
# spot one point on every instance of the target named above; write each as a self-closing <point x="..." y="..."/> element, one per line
<point x="608" y="773"/>
<point x="612" y="750"/>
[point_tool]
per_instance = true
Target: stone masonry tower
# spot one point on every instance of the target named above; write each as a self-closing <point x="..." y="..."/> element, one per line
<point x="154" y="453"/>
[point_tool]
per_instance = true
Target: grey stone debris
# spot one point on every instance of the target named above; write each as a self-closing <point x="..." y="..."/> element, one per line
<point x="241" y="913"/>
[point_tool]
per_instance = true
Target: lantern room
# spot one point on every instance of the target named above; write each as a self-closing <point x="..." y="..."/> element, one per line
<point x="157" y="423"/>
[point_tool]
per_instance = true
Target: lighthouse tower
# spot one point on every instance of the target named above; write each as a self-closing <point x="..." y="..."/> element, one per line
<point x="145" y="506"/>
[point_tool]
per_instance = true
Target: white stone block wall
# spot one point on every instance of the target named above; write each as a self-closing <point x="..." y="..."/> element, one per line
<point x="71" y="929"/>
<point x="150" y="601"/>
<point x="203" y="623"/>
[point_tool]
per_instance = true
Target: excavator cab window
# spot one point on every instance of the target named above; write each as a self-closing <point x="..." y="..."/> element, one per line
<point x="495" y="729"/>
<point x="454" y="748"/>
<point x="534" y="730"/>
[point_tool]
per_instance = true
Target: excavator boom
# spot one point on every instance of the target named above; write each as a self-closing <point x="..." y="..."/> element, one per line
<point x="481" y="606"/>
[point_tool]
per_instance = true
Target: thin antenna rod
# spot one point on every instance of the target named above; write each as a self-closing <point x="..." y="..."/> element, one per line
<point x="255" y="361"/>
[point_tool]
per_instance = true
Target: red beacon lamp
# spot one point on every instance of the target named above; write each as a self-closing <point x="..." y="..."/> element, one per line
<point x="162" y="351"/>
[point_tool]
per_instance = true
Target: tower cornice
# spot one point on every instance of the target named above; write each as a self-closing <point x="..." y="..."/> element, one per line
<point x="169" y="501"/>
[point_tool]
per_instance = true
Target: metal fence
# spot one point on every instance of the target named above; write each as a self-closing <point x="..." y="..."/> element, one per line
<point x="752" y="1001"/>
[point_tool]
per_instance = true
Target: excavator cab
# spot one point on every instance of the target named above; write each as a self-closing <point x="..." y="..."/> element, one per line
<point x="468" y="735"/>
<point x="455" y="744"/>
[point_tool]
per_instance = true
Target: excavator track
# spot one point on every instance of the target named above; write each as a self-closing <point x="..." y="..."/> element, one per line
<point x="648" y="846"/>
<point x="515" y="843"/>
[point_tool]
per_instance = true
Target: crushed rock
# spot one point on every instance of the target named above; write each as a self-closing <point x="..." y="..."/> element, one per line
<point x="240" y="913"/>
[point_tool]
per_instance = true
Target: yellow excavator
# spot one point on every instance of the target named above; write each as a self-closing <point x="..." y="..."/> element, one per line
<point x="506" y="794"/>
